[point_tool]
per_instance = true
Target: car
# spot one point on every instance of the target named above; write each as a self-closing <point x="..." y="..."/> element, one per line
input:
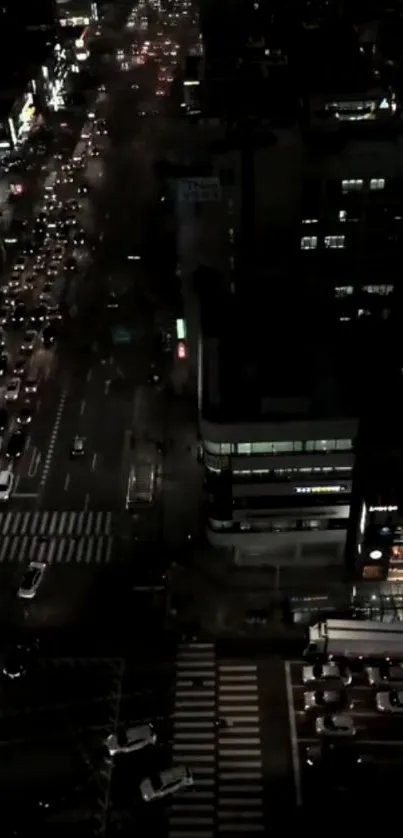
<point x="4" y="419"/>
<point x="169" y="781"/>
<point x="4" y="314"/>
<point x="58" y="252"/>
<point x="329" y="671"/>
<point x="112" y="301"/>
<point x="19" y="314"/>
<point x="31" y="580"/>
<point x="14" y="282"/>
<point x="77" y="447"/>
<point x="389" y="702"/>
<point x="28" y="341"/>
<point x="132" y="739"/>
<point x="384" y="673"/>
<point x="38" y="314"/>
<point x="3" y="363"/>
<point x="31" y="385"/>
<point x="79" y="239"/>
<point x="2" y="340"/>
<point x="53" y="269"/>
<point x="20" y="264"/>
<point x="335" y="725"/>
<point x="12" y="389"/>
<point x="6" y="484"/>
<point x="331" y="700"/>
<point x="19" y="366"/>
<point x="54" y="312"/>
<point x="15" y="663"/>
<point x="49" y="336"/>
<point x="15" y="445"/>
<point x="70" y="264"/>
<point x="82" y="189"/>
<point x="25" y="415"/>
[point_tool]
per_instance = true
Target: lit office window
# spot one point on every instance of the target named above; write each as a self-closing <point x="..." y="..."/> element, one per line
<point x="310" y="221"/>
<point x="324" y="446"/>
<point x="382" y="290"/>
<point x="343" y="290"/>
<point x="342" y="215"/>
<point x="354" y="185"/>
<point x="309" y="242"/>
<point x="377" y="183"/>
<point x="335" y="242"/>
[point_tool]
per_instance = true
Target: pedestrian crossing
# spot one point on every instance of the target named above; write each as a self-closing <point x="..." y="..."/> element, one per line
<point x="227" y="797"/>
<point x="83" y="550"/>
<point x="56" y="537"/>
<point x="49" y="523"/>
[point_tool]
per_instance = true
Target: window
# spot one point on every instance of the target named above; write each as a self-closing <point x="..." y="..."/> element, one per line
<point x="283" y="447"/>
<point x="352" y="185"/>
<point x="309" y="242"/>
<point x="382" y="290"/>
<point x="323" y="446"/>
<point x="335" y="242"/>
<point x="262" y="447"/>
<point x="310" y="221"/>
<point x="343" y="290"/>
<point x="218" y="447"/>
<point x="244" y="448"/>
<point x="342" y="215"/>
<point x="377" y="183"/>
<point x="344" y="444"/>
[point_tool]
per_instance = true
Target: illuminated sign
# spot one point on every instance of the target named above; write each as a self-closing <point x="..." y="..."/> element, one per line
<point x="319" y="490"/>
<point x="74" y="21"/>
<point x="363" y="518"/>
<point x="181" y="329"/>
<point x="383" y="508"/>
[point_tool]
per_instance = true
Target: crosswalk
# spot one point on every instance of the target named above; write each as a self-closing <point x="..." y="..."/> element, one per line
<point x="227" y="797"/>
<point x="49" y="523"/>
<point x="58" y="537"/>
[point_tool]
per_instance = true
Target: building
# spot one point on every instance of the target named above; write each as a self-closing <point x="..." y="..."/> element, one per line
<point x="278" y="419"/>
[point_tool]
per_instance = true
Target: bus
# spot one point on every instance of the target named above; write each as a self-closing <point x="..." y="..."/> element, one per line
<point x="140" y="486"/>
<point x="79" y="152"/>
<point x="355" y="639"/>
<point x="50" y="183"/>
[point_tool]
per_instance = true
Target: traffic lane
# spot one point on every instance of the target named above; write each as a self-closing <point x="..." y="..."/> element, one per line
<point x="99" y="474"/>
<point x="61" y="600"/>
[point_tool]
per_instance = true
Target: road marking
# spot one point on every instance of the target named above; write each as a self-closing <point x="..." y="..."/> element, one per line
<point x="293" y="735"/>
<point x="94" y="462"/>
<point x="86" y="502"/>
<point x="66" y="483"/>
<point x="52" y="441"/>
<point x="89" y="374"/>
<point x="107" y="385"/>
<point x="82" y="408"/>
<point x="35" y="462"/>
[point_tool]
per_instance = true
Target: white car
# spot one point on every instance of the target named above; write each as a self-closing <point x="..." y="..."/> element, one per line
<point x="384" y="673"/>
<point x="335" y="726"/>
<point x="167" y="782"/>
<point x="325" y="672"/>
<point x="31" y="580"/>
<point x="325" y="700"/>
<point x="6" y="484"/>
<point x="12" y="390"/>
<point x="389" y="702"/>
<point x="133" y="739"/>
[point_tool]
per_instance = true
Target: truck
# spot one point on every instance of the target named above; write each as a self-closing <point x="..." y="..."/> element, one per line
<point x="140" y="486"/>
<point x="359" y="639"/>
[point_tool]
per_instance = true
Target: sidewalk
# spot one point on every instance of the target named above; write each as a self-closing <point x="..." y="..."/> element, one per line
<point x="182" y="474"/>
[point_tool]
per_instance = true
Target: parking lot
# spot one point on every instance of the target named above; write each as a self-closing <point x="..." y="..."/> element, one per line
<point x="377" y="737"/>
<point x="54" y="723"/>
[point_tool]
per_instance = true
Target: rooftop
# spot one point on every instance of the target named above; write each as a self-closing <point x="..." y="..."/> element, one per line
<point x="281" y="354"/>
